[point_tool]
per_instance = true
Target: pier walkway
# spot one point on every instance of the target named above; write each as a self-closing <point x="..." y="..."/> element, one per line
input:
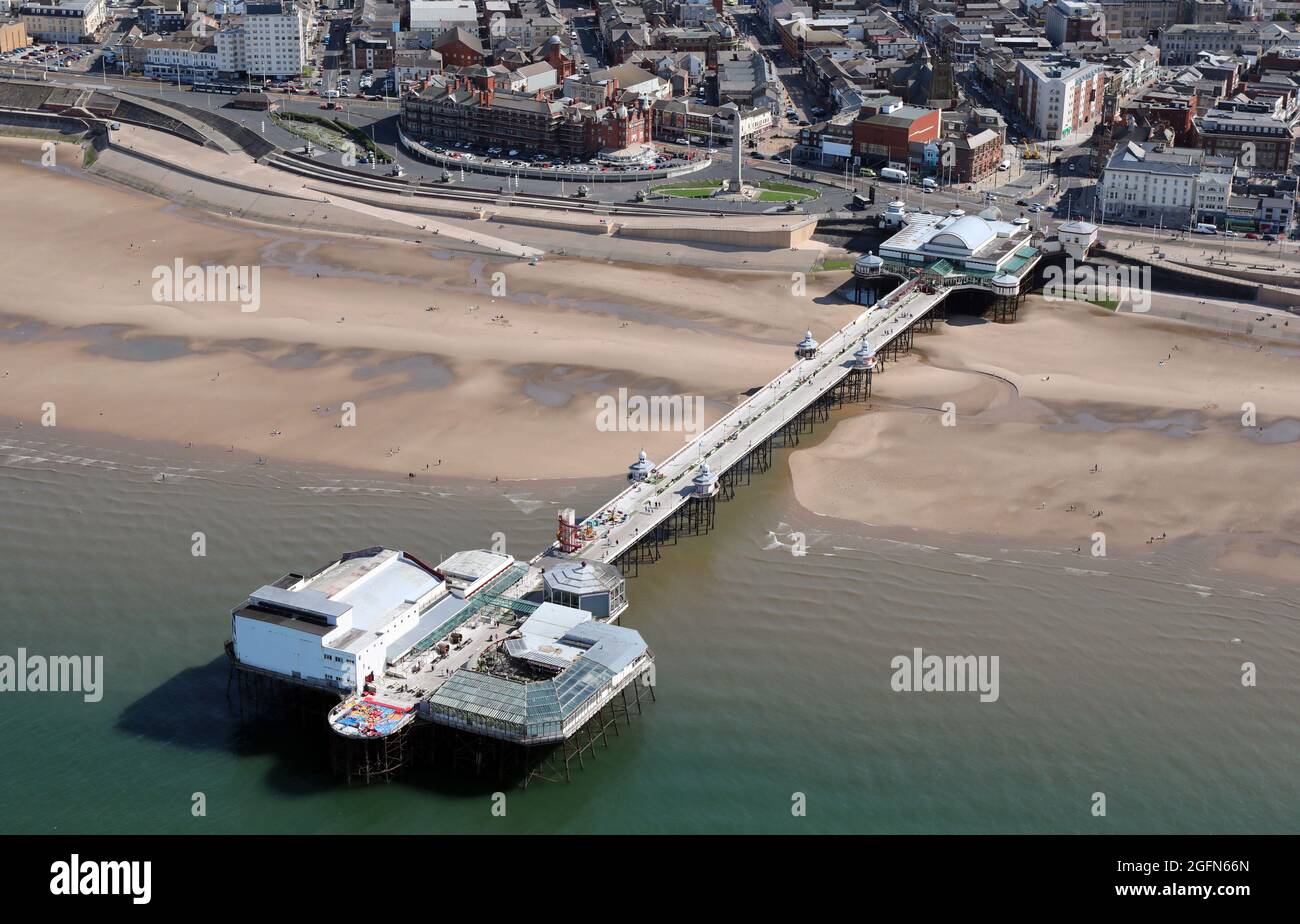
<point x="635" y="513"/>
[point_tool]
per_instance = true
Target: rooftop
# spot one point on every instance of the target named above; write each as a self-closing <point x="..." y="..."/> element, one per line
<point x="964" y="242"/>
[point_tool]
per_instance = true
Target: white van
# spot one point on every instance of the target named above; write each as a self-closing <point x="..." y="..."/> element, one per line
<point x="1204" y="228"/>
<point x="929" y="183"/>
<point x="1005" y="165"/>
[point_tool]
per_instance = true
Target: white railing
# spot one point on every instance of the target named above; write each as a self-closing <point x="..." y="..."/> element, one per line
<point x="841" y="341"/>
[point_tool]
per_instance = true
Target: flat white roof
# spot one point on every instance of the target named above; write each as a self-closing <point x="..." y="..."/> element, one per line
<point x="382" y="592"/>
<point x="474" y="565"/>
<point x="956" y="237"/>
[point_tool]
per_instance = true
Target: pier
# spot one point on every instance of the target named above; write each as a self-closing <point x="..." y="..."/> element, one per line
<point x="679" y="495"/>
<point x="484" y="661"/>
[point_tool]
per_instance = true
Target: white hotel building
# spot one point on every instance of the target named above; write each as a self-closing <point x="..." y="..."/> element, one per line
<point x="266" y="40"/>
<point x="1172" y="188"/>
<point x="1059" y="96"/>
<point x="65" y="21"/>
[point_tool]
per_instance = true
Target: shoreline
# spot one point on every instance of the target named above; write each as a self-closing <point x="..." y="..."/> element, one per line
<point x="1068" y="434"/>
<point x="1207" y="557"/>
<point x="493" y="365"/>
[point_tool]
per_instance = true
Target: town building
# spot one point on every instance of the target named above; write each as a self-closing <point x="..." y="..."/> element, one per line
<point x="370" y="50"/>
<point x="183" y="58"/>
<point x="974" y="156"/>
<point x="161" y="16"/>
<point x="1175" y="111"/>
<point x="1251" y="133"/>
<point x="630" y="79"/>
<point x="1059" y="96"/>
<point x="460" y="48"/>
<point x="685" y="118"/>
<point x="884" y="132"/>
<point x="474" y="111"/>
<point x="1073" y="21"/>
<point x="65" y="21"/>
<point x="269" y="39"/>
<point x="742" y="78"/>
<point x="13" y="35"/>
<point x="1181" y="43"/>
<point x="416" y="64"/>
<point x="1151" y="184"/>
<point x="440" y="15"/>
<point x="521" y="23"/>
<point x="1140" y="18"/>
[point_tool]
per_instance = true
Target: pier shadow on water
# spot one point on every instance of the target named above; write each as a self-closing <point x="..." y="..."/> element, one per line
<point x="200" y="709"/>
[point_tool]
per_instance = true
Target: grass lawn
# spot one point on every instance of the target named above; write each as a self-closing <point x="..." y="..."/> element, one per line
<point x="770" y="191"/>
<point x="689" y="190"/>
<point x="317" y="134"/>
<point x="774" y="191"/>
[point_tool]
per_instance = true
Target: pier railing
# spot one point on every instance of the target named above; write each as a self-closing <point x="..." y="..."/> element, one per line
<point x="764" y="400"/>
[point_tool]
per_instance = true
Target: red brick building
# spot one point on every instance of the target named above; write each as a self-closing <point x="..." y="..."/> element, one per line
<point x="1176" y="110"/>
<point x="886" y="135"/>
<point x="370" y="50"/>
<point x="976" y="156"/>
<point x="553" y="53"/>
<point x="466" y="110"/>
<point x="460" y="49"/>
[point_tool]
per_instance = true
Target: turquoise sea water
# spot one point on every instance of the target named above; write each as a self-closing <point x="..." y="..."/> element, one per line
<point x="773" y="670"/>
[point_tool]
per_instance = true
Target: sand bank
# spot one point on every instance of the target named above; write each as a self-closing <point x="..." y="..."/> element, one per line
<point x="444" y="359"/>
<point x="1071" y="422"/>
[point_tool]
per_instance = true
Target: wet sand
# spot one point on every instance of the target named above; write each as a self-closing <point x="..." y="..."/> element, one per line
<point x="1073" y="427"/>
<point x="443" y="359"/>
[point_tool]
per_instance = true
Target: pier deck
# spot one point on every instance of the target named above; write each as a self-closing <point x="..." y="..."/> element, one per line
<point x="644" y="505"/>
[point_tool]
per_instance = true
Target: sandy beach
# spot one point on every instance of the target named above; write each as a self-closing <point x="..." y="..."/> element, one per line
<point x="397" y="357"/>
<point x="497" y="376"/>
<point x="1075" y="421"/>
